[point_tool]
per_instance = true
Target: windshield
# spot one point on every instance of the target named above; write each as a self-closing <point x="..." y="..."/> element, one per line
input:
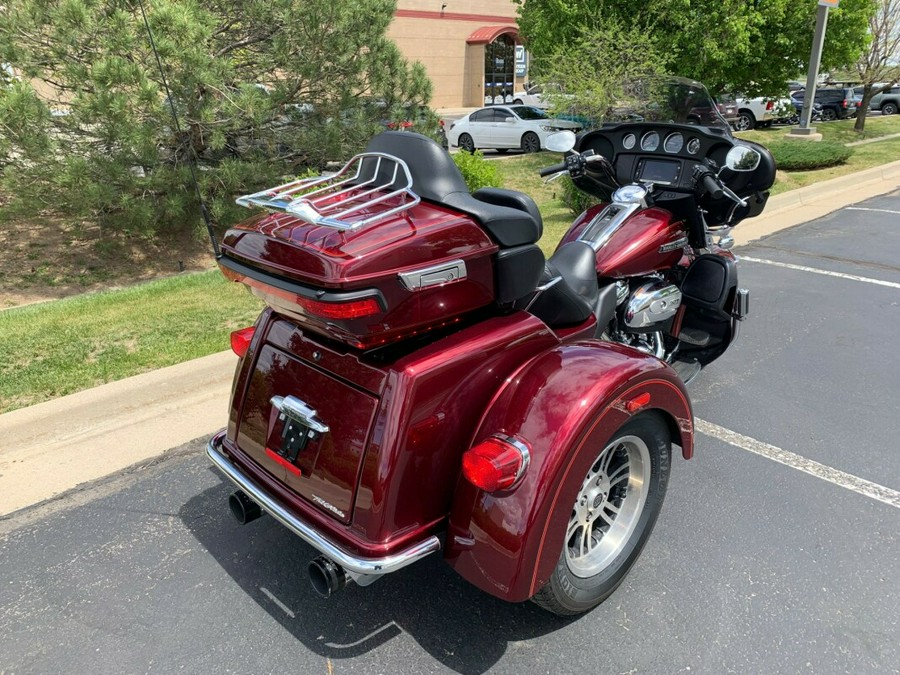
<point x="526" y="112"/>
<point x="667" y="99"/>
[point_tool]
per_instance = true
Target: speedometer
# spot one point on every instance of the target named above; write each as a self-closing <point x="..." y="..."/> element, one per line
<point x="650" y="141"/>
<point x="674" y="142"/>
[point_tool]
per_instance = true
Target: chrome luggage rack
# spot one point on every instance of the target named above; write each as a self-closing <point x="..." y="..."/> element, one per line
<point x="368" y="180"/>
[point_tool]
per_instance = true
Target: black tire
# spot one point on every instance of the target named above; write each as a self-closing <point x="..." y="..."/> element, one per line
<point x="829" y="114"/>
<point x="745" y="121"/>
<point x="518" y="101"/>
<point x="582" y="580"/>
<point x="466" y="144"/>
<point x="889" y="109"/>
<point x="531" y="142"/>
<point x="502" y="151"/>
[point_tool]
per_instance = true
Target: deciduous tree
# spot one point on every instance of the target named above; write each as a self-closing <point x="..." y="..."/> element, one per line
<point x="879" y="66"/>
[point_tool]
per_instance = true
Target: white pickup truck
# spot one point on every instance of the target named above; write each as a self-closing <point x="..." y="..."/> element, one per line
<point x="759" y="112"/>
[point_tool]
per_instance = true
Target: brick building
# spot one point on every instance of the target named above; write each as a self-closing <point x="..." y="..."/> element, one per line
<point x="470" y="48"/>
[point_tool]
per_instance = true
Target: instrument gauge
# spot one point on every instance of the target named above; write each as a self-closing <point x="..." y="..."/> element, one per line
<point x="674" y="142"/>
<point x="629" y="141"/>
<point x="693" y="146"/>
<point x="650" y="141"/>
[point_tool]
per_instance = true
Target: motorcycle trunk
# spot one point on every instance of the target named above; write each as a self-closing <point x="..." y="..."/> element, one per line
<point x="374" y="329"/>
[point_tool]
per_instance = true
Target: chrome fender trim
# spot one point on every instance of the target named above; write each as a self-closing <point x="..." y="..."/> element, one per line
<point x="353" y="564"/>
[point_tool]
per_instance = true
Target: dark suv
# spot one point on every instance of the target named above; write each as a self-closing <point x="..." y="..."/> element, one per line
<point x="837" y="103"/>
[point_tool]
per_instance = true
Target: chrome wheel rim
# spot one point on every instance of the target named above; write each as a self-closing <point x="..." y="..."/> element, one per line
<point x="608" y="506"/>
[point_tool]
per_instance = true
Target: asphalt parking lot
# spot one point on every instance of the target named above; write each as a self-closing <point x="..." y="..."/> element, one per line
<point x="777" y="549"/>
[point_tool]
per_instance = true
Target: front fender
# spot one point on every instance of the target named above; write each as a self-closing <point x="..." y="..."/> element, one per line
<point x="565" y="404"/>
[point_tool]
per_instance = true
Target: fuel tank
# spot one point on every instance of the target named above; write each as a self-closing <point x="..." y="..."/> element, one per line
<point x="630" y="244"/>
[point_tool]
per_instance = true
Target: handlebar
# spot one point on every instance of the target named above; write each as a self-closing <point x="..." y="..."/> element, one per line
<point x="712" y="187"/>
<point x="556" y="168"/>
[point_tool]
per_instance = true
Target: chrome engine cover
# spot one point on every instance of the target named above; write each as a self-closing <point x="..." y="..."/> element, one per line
<point x="651" y="303"/>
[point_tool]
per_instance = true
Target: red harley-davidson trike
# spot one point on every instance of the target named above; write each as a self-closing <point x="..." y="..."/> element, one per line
<point x="422" y="381"/>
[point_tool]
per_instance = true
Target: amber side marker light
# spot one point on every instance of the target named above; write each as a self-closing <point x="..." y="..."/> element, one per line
<point x="497" y="463"/>
<point x="240" y="340"/>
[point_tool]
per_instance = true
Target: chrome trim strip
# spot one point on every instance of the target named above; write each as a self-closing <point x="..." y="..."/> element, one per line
<point x="351" y="563"/>
<point x="435" y="275"/>
<point x="523" y="450"/>
<point x="606" y="223"/>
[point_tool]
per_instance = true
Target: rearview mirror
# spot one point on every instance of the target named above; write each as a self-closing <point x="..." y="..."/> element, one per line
<point x="561" y="141"/>
<point x="742" y="158"/>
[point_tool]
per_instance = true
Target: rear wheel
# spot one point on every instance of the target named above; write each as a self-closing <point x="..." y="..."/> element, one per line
<point x="466" y="143"/>
<point x="518" y="101"/>
<point x="612" y="517"/>
<point x="889" y="109"/>
<point x="745" y="121"/>
<point x="828" y="114"/>
<point x="531" y="142"/>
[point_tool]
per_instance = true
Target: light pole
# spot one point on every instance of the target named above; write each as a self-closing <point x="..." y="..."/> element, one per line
<point x="815" y="57"/>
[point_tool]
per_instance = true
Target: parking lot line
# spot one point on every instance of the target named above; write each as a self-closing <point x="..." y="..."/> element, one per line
<point x="863" y="208"/>
<point x="815" y="270"/>
<point x="795" y="461"/>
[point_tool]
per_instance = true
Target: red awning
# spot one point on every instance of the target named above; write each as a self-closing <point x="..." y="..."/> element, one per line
<point x="487" y="34"/>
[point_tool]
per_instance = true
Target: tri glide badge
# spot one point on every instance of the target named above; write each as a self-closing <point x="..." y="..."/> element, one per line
<point x="301" y="425"/>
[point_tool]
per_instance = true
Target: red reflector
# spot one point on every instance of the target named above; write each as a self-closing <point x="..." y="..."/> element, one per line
<point x="240" y="340"/>
<point x="638" y="402"/>
<point x="340" y="310"/>
<point x="770" y="105"/>
<point x="495" y="464"/>
<point x="281" y="460"/>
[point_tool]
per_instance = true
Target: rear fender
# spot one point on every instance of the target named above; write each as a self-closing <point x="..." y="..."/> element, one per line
<point x="566" y="404"/>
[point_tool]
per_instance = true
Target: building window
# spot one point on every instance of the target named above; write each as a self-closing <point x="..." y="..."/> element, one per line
<point x="499" y="70"/>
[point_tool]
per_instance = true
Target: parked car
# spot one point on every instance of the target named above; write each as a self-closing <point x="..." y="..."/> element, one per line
<point x="838" y="103"/>
<point x="760" y="111"/>
<point x="533" y="95"/>
<point x="506" y="127"/>
<point x="728" y="109"/>
<point x="887" y="102"/>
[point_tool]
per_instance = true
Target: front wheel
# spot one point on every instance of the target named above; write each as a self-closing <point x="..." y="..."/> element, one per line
<point x="531" y="142"/>
<point x="612" y="517"/>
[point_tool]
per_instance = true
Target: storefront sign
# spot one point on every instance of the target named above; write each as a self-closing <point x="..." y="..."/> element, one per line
<point x="521" y="61"/>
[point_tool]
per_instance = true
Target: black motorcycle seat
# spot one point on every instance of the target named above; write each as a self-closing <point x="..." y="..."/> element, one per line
<point x="509" y="220"/>
<point x="573" y="298"/>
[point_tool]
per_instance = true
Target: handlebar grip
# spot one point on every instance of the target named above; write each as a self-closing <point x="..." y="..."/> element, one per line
<point x="556" y="168"/>
<point x="712" y="187"/>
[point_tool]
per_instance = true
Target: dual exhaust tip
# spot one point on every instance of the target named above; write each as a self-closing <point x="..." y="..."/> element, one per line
<point x="326" y="576"/>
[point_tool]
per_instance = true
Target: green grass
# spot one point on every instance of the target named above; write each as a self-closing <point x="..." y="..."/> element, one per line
<point x="839" y="131"/>
<point x="57" y="348"/>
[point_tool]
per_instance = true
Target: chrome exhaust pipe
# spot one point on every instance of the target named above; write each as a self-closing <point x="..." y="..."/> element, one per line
<point x="243" y="508"/>
<point x="326" y="576"/>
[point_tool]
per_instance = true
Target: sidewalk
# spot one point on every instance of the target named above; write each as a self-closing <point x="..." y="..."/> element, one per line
<point x="53" y="447"/>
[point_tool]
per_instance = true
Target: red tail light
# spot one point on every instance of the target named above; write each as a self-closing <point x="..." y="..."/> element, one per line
<point x="496" y="464"/>
<point x="240" y="340"/>
<point x="441" y="122"/>
<point x="770" y="105"/>
<point x="354" y="309"/>
<point x="844" y="103"/>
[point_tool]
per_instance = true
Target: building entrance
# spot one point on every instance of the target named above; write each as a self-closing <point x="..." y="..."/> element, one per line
<point x="499" y="70"/>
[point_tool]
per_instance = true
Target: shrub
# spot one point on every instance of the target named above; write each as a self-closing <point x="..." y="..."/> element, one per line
<point x="803" y="156"/>
<point x="477" y="171"/>
<point x="574" y="199"/>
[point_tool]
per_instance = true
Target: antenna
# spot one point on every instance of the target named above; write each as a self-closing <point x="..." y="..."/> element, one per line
<point x="192" y="159"/>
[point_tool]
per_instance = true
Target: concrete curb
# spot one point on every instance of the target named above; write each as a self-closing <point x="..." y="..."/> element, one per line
<point x="814" y="201"/>
<point x="53" y="447"/>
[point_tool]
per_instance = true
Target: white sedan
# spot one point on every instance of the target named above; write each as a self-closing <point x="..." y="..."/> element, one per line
<point x="503" y="127"/>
